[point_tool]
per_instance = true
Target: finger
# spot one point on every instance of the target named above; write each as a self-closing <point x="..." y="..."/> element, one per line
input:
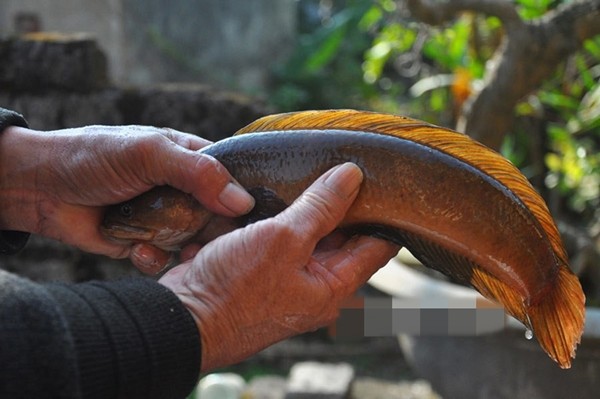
<point x="148" y="259"/>
<point x="78" y="225"/>
<point x="186" y="140"/>
<point x="189" y="252"/>
<point x="358" y="259"/>
<point x="202" y="176"/>
<point x="174" y="277"/>
<point x="319" y="210"/>
<point x="332" y="241"/>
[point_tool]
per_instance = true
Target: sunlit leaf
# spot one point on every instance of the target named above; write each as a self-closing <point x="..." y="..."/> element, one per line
<point x="393" y="39"/>
<point x="438" y="100"/>
<point x="593" y="46"/>
<point x="388" y="5"/>
<point x="371" y="18"/>
<point x="553" y="162"/>
<point x="559" y="100"/>
<point x="589" y="109"/>
<point x="530" y="9"/>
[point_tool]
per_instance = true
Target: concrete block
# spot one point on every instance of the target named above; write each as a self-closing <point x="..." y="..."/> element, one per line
<point x="266" y="387"/>
<point x="313" y="380"/>
<point x="371" y="388"/>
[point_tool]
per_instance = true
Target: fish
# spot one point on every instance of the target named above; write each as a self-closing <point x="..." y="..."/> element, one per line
<point x="458" y="206"/>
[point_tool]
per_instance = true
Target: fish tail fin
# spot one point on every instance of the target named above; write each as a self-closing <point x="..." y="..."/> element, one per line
<point x="558" y="317"/>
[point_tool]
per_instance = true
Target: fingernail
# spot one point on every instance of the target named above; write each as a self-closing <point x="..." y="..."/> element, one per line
<point x="236" y="199"/>
<point x="345" y="179"/>
<point x="143" y="257"/>
<point x="149" y="261"/>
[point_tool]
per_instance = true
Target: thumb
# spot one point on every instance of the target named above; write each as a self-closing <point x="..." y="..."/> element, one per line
<point x="321" y="208"/>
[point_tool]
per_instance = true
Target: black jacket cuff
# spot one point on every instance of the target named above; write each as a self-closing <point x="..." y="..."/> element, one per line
<point x="11" y="241"/>
<point x="133" y="338"/>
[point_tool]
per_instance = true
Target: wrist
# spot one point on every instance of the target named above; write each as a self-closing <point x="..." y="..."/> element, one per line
<point x="227" y="340"/>
<point x="214" y="351"/>
<point x="21" y="162"/>
<point x="216" y="337"/>
<point x="222" y="345"/>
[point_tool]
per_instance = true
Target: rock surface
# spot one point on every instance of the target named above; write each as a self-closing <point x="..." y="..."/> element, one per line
<point x="54" y="61"/>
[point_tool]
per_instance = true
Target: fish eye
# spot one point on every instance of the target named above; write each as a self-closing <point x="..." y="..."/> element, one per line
<point x="126" y="210"/>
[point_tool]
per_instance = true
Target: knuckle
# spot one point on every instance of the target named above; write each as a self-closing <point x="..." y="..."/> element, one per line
<point x="281" y="232"/>
<point x="208" y="164"/>
<point x="207" y="176"/>
<point x="167" y="132"/>
<point x="147" y="145"/>
<point x="321" y="209"/>
<point x="271" y="239"/>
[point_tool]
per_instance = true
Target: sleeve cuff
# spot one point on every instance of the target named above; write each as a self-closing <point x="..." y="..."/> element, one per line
<point x="133" y="338"/>
<point x="11" y="118"/>
<point x="11" y="241"/>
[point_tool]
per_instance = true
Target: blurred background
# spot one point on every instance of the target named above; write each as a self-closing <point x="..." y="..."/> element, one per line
<point x="211" y="66"/>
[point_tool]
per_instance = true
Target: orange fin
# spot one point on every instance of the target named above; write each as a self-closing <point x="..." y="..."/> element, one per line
<point x="557" y="318"/>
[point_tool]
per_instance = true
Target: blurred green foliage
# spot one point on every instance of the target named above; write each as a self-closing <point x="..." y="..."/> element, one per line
<point x="325" y="71"/>
<point x="570" y="105"/>
<point x="371" y="54"/>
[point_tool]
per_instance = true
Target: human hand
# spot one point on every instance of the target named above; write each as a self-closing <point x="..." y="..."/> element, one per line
<point x="57" y="183"/>
<point x="276" y="278"/>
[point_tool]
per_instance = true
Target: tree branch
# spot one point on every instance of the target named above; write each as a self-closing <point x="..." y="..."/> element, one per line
<point x="529" y="54"/>
<point x="438" y="12"/>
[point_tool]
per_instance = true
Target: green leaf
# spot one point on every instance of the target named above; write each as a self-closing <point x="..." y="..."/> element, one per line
<point x="388" y="5"/>
<point x="584" y="71"/>
<point x="533" y="8"/>
<point x="326" y="51"/>
<point x="593" y="46"/>
<point x="371" y="18"/>
<point x="558" y="100"/>
<point x="589" y="109"/>
<point x="438" y="100"/>
<point x="553" y="162"/>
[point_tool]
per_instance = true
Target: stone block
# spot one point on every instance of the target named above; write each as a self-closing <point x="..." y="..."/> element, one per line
<point x="58" y="110"/>
<point x="42" y="61"/>
<point x="314" y="380"/>
<point x="200" y="110"/>
<point x="266" y="387"/>
<point x="192" y="108"/>
<point x="371" y="388"/>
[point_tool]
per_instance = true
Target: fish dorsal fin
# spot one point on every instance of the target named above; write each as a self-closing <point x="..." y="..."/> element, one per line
<point x="455" y="144"/>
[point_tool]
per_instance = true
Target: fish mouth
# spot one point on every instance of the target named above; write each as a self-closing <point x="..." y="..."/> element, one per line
<point x="125" y="232"/>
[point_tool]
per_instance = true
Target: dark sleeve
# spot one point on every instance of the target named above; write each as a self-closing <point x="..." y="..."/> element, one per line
<point x="11" y="241"/>
<point x="125" y="339"/>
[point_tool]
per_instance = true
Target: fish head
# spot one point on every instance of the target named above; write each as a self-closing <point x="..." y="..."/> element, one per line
<point x="164" y="217"/>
